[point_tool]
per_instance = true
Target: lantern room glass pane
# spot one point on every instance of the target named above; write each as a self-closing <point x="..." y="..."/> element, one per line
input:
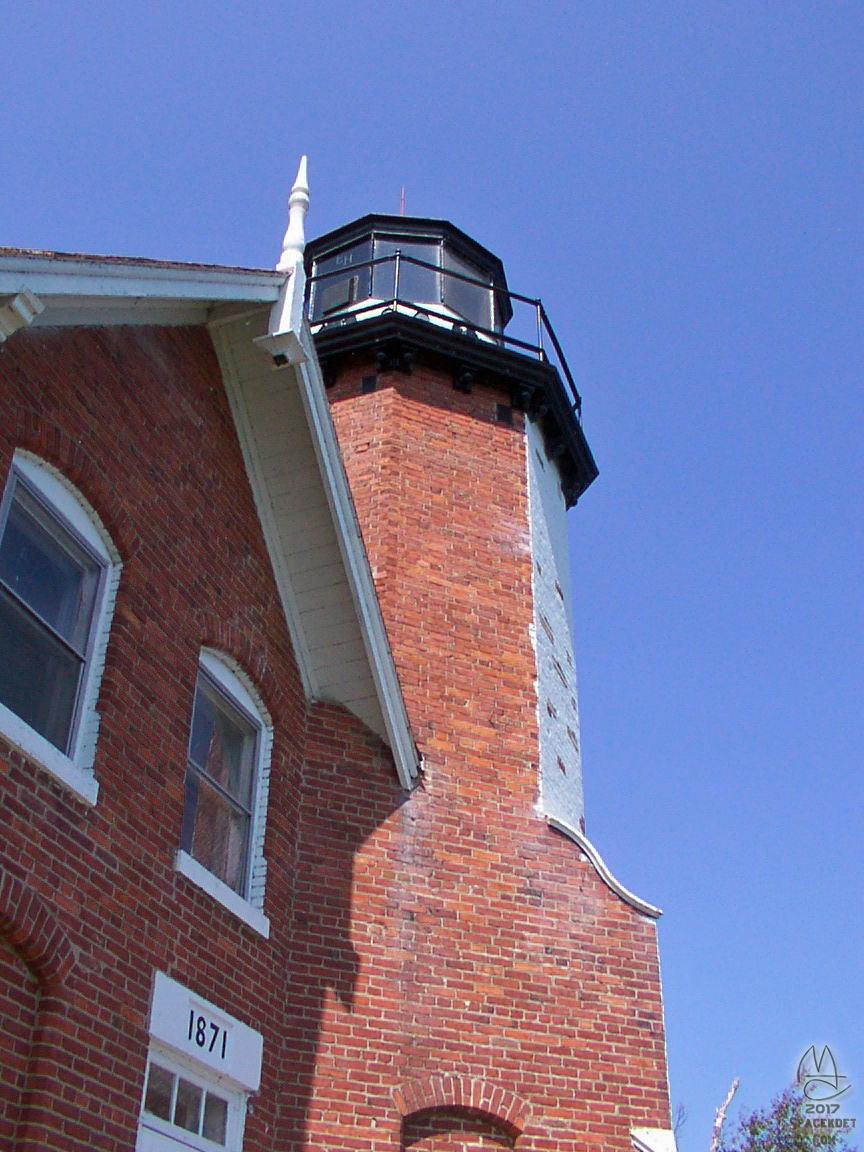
<point x="419" y="285"/>
<point x="344" y="282"/>
<point x="473" y="301"/>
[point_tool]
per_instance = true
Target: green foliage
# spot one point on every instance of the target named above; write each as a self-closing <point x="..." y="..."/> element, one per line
<point x="785" y="1127"/>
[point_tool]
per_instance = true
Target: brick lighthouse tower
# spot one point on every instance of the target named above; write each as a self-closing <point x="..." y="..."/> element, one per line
<point x="505" y="987"/>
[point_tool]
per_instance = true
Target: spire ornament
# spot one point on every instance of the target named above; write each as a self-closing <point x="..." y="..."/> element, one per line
<point x="294" y="243"/>
<point x="284" y="340"/>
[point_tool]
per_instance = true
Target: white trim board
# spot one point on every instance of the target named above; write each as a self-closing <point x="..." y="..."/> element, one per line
<point x="298" y="480"/>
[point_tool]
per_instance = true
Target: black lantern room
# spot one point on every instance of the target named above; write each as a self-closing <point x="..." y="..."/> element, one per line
<point x="414" y="289"/>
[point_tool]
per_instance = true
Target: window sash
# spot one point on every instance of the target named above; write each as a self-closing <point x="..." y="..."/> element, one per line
<point x="40" y="676"/>
<point x="217" y="835"/>
<point x="183" y="1105"/>
<point x="45" y="660"/>
<point x="218" y="820"/>
<point x="234" y="735"/>
<point x="67" y="599"/>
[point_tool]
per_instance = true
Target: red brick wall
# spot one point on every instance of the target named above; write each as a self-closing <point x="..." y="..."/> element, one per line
<point x="442" y="953"/>
<point x="490" y="961"/>
<point x="18" y="998"/>
<point x="139" y="422"/>
<point x="441" y="492"/>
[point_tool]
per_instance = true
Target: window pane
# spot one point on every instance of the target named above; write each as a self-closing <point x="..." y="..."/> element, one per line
<point x="215" y="1118"/>
<point x="160" y="1083"/>
<point x="187" y="1109"/>
<point x="190" y="807"/>
<point x="230" y="760"/>
<point x="419" y="284"/>
<point x="383" y="275"/>
<point x="340" y="291"/>
<point x="203" y="724"/>
<point x="472" y="301"/>
<point x="43" y="565"/>
<point x="38" y="675"/>
<point x="220" y="838"/>
<point x="222" y="744"/>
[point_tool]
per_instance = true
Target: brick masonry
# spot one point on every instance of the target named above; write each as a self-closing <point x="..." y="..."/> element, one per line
<point x="500" y="958"/>
<point x="18" y="1004"/>
<point x="139" y="422"/>
<point x="443" y="969"/>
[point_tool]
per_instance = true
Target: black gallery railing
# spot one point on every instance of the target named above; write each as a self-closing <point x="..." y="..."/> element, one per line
<point x="355" y="292"/>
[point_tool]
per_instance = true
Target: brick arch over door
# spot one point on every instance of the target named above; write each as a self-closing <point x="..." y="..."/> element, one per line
<point x="459" y="1112"/>
<point x="35" y="959"/>
<point x="31" y="927"/>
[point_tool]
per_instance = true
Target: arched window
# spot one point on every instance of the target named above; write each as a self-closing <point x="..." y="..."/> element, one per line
<point x="58" y="580"/>
<point x="227" y="776"/>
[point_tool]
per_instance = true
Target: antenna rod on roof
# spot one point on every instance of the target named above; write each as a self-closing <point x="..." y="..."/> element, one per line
<point x="402" y="202"/>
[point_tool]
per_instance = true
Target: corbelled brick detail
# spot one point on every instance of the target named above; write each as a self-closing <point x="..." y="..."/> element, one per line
<point x="32" y="929"/>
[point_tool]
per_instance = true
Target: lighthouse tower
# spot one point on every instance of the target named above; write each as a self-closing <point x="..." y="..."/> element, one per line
<point x="464" y="448"/>
<point x="505" y="988"/>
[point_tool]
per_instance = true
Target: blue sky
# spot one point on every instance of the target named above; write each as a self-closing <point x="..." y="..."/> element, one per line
<point x="681" y="183"/>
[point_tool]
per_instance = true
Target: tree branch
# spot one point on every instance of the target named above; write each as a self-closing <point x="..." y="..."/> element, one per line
<point x="720" y="1115"/>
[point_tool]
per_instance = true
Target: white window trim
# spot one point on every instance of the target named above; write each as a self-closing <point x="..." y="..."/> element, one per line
<point x="174" y="1138"/>
<point x="75" y="769"/>
<point x="249" y="908"/>
<point x="232" y="1068"/>
<point x="189" y="867"/>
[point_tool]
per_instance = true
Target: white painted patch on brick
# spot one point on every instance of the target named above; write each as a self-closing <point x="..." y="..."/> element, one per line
<point x="557" y="697"/>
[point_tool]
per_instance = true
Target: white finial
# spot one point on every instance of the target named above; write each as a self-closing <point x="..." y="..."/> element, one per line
<point x="294" y="243"/>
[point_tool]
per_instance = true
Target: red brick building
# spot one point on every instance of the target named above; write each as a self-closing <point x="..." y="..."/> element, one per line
<point x="293" y="853"/>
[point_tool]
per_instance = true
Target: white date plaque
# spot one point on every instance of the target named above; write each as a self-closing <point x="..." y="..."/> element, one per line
<point x="202" y="1032"/>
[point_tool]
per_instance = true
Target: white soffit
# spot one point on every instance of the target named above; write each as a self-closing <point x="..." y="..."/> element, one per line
<point x="293" y="461"/>
<point x="81" y="290"/>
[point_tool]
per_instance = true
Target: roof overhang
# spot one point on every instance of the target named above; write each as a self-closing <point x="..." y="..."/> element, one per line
<point x="82" y="290"/>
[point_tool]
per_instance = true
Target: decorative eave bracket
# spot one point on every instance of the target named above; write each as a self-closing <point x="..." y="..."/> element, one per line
<point x="18" y="311"/>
